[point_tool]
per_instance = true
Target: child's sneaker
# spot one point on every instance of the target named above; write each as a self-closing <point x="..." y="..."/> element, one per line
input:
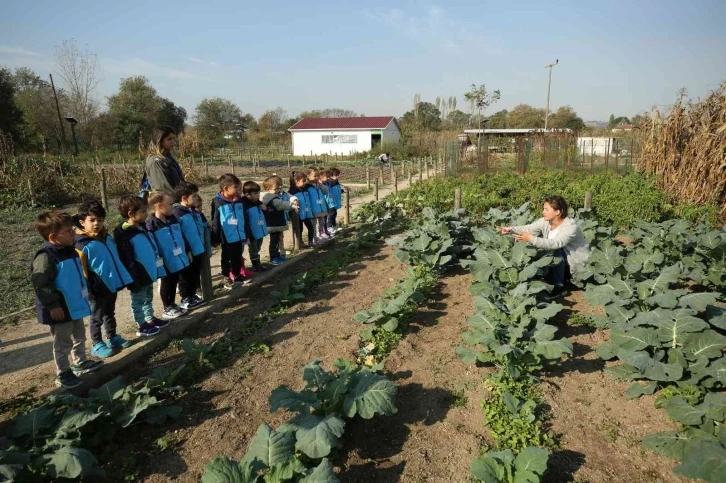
<point x="276" y="261"/>
<point x="325" y="236"/>
<point x="190" y="303"/>
<point x="158" y="323"/>
<point x="85" y="367"/>
<point x="199" y="299"/>
<point x="117" y="342"/>
<point x="246" y="272"/>
<point x="67" y="380"/>
<point x="258" y="267"/>
<point x="172" y="312"/>
<point x="147" y="329"/>
<point x="240" y="280"/>
<point x="101" y="350"/>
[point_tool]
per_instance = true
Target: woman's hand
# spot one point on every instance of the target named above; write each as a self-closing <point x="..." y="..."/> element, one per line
<point x="504" y="230"/>
<point x="523" y="237"/>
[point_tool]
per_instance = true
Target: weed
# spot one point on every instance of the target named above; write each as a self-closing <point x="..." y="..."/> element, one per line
<point x="459" y="400"/>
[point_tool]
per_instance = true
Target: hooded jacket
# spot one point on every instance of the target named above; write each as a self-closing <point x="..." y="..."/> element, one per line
<point x="317" y="199"/>
<point x="170" y="241"/>
<point x="276" y="214"/>
<point x="256" y="226"/>
<point x="335" y="194"/>
<point x="138" y="252"/>
<point x="192" y="228"/>
<point x="161" y="173"/>
<point x="228" y="220"/>
<point x="102" y="266"/>
<point x="303" y="198"/>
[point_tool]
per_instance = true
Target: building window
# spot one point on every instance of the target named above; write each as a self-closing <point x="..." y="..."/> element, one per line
<point x="340" y="138"/>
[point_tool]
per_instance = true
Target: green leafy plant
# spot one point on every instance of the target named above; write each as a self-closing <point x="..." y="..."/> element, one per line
<point x="503" y="467"/>
<point x="198" y="353"/>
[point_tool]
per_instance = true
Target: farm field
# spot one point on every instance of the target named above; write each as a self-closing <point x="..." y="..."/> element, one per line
<point x="457" y="370"/>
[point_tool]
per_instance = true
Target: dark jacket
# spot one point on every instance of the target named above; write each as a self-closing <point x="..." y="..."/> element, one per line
<point x="139" y="254"/>
<point x="101" y="263"/>
<point x="161" y="173"/>
<point x="276" y="211"/>
<point x="57" y="277"/>
<point x="255" y="226"/>
<point x="192" y="228"/>
<point x="170" y="241"/>
<point x="228" y="220"/>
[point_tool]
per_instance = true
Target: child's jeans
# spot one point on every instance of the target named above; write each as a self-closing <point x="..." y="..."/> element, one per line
<point x="332" y="218"/>
<point x="275" y="238"/>
<point x="69" y="344"/>
<point x="558" y="272"/>
<point x="103" y="314"/>
<point x="189" y="281"/>
<point x="253" y="248"/>
<point x="168" y="289"/>
<point x="142" y="304"/>
<point x="231" y="258"/>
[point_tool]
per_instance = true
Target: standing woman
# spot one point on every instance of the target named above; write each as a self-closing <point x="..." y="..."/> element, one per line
<point x="161" y="170"/>
<point x="557" y="232"/>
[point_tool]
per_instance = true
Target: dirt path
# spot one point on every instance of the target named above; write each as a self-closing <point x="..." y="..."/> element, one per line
<point x="26" y="351"/>
<point x="225" y="411"/>
<point x="600" y="430"/>
<point x="438" y="429"/>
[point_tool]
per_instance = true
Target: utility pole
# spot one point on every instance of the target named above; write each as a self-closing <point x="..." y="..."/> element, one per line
<point x="549" y="83"/>
<point x="60" y="119"/>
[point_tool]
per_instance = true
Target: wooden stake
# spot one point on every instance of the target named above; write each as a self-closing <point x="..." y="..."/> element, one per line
<point x="346" y="203"/>
<point x="32" y="193"/>
<point x="395" y="182"/>
<point x="368" y="177"/>
<point x="420" y="170"/>
<point x="375" y="190"/>
<point x="457" y="199"/>
<point x="104" y="197"/>
<point x="588" y="200"/>
<point x="206" y="268"/>
<point x="380" y="175"/>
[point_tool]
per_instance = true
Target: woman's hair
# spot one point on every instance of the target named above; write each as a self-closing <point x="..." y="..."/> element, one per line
<point x="158" y="197"/>
<point x="131" y="204"/>
<point x="558" y="203"/>
<point x="157" y="136"/>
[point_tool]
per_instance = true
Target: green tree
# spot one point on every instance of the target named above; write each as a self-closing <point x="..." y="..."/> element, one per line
<point x="457" y="119"/>
<point x="524" y="116"/>
<point x="171" y="115"/>
<point x="616" y="121"/>
<point x="34" y="97"/>
<point x="424" y="117"/>
<point x="637" y="120"/>
<point x="11" y="117"/>
<point x="134" y="108"/>
<point x="566" y="117"/>
<point x="216" y="116"/>
<point x="498" y="120"/>
<point x="480" y="99"/>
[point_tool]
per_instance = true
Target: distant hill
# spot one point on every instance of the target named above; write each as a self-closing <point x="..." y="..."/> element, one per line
<point x="596" y="124"/>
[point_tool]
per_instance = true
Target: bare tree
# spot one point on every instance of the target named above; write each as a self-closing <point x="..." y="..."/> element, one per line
<point x="81" y="74"/>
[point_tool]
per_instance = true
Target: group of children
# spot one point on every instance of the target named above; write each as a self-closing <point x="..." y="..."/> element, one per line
<point x="81" y="267"/>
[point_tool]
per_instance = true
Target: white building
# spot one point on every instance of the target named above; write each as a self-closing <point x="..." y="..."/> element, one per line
<point x="598" y="146"/>
<point x="342" y="135"/>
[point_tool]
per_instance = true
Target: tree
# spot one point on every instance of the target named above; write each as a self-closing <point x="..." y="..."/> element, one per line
<point x="11" y="117"/>
<point x="171" y="115"/>
<point x="328" y="113"/>
<point x="458" y="119"/>
<point x="80" y="73"/>
<point x="637" y="120"/>
<point x="524" y="116"/>
<point x="616" y="121"/>
<point x="498" y="120"/>
<point x="479" y="98"/>
<point x="566" y="117"/>
<point x="425" y="117"/>
<point x="216" y="116"/>
<point x="134" y="108"/>
<point x="34" y="97"/>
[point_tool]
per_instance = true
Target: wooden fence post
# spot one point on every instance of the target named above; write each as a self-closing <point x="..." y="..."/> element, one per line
<point x="380" y="175"/>
<point x="457" y="199"/>
<point x="420" y="170"/>
<point x="206" y="166"/>
<point x="395" y="182"/>
<point x="368" y="177"/>
<point x="32" y="193"/>
<point x="206" y="268"/>
<point x="410" y="176"/>
<point x="588" y="200"/>
<point x="375" y="189"/>
<point x="346" y="202"/>
<point x="296" y="232"/>
<point x="426" y="161"/>
<point x="288" y="160"/>
<point x="104" y="197"/>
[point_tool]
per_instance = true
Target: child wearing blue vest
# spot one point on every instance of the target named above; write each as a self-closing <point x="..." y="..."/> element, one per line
<point x="335" y="198"/>
<point x="105" y="273"/>
<point x="256" y="223"/>
<point x="298" y="183"/>
<point x="170" y="241"/>
<point x="228" y="228"/>
<point x="142" y="258"/>
<point x="62" y="297"/>
<point x="275" y="216"/>
<point x="317" y="194"/>
<point x="284" y="196"/>
<point x="193" y="230"/>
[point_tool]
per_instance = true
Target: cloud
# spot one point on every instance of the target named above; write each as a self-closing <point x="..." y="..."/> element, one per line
<point x="197" y="60"/>
<point x="136" y="66"/>
<point x="6" y="49"/>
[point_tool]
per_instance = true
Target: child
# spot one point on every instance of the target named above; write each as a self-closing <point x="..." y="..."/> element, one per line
<point x="193" y="232"/>
<point x="61" y="297"/>
<point x="317" y="205"/>
<point x="142" y="258"/>
<point x="298" y="182"/>
<point x="228" y="228"/>
<point x="256" y="225"/>
<point x="275" y="216"/>
<point x="199" y="207"/>
<point x="284" y="196"/>
<point x="335" y="199"/>
<point x="106" y="276"/>
<point x="170" y="241"/>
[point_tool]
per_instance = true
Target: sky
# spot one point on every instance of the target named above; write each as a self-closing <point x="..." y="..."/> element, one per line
<point x="616" y="57"/>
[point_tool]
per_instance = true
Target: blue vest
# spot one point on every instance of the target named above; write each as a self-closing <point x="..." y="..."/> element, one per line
<point x="306" y="211"/>
<point x="103" y="260"/>
<point x="336" y="196"/>
<point x="170" y="241"/>
<point x="192" y="229"/>
<point x="148" y="255"/>
<point x="317" y="200"/>
<point x="257" y="223"/>
<point x="69" y="282"/>
<point x="285" y="196"/>
<point x="231" y="218"/>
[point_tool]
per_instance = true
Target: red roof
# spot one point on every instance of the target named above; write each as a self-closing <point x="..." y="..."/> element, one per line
<point x="342" y="123"/>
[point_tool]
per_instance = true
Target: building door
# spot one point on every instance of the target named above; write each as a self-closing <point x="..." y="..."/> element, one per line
<point x="375" y="140"/>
